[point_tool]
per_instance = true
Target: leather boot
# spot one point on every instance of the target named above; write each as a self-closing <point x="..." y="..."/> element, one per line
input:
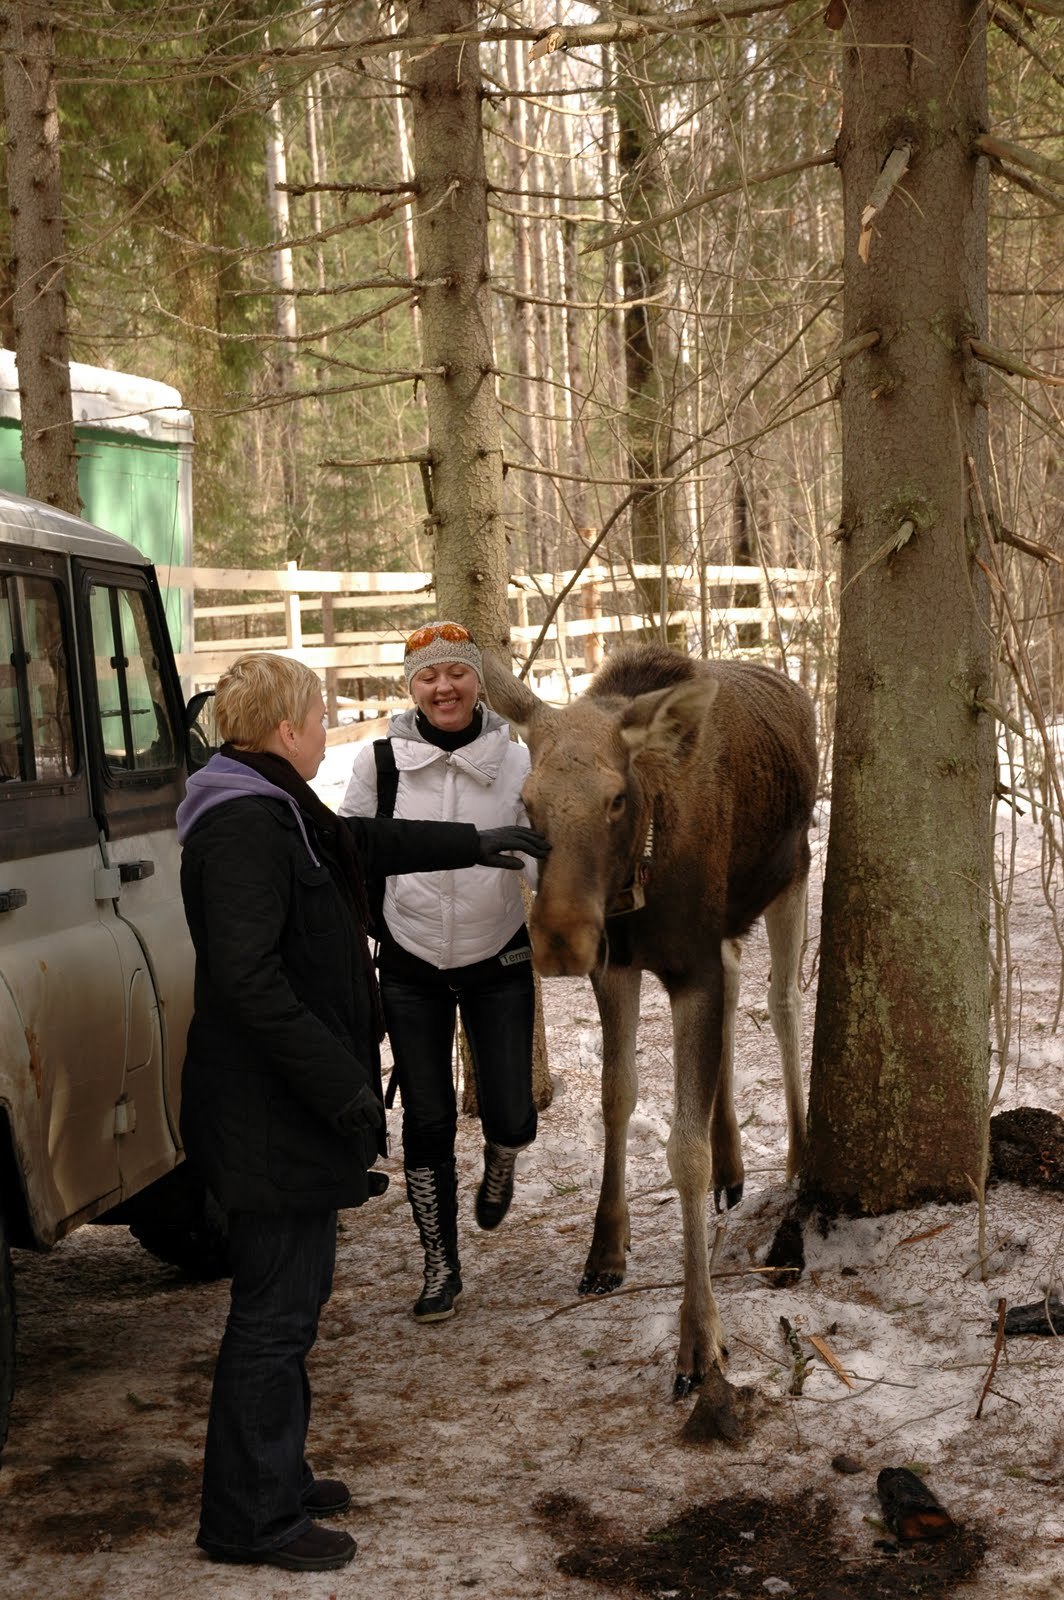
<point x="433" y="1193"/>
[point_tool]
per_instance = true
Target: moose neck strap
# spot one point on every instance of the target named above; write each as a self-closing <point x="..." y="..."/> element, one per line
<point x="632" y="897"/>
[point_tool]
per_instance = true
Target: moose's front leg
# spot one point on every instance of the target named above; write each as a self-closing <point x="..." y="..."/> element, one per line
<point x="617" y="993"/>
<point x="697" y="1043"/>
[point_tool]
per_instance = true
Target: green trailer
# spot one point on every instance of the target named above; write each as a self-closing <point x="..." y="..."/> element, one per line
<point x="134" y="443"/>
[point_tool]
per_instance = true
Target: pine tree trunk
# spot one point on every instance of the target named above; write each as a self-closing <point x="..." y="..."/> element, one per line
<point x="648" y="352"/>
<point x="529" y="486"/>
<point x="39" y="312"/>
<point x="471" y="563"/>
<point x="286" y="322"/>
<point x="900" y="1052"/>
<point x="465" y="443"/>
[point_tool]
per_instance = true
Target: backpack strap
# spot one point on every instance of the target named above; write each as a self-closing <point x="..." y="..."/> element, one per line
<point x="387" y="777"/>
<point x="387" y="789"/>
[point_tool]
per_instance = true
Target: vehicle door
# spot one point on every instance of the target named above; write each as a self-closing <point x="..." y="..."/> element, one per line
<point x="136" y="725"/>
<point x="62" y="1008"/>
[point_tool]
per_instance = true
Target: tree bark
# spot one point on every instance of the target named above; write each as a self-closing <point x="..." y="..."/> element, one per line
<point x="648" y="347"/>
<point x="470" y="557"/>
<point x="471" y="566"/>
<point x="900" y="1049"/>
<point x="287" y="325"/>
<point x="39" y="312"/>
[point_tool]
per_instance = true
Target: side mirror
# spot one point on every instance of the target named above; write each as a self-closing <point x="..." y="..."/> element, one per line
<point x="201" y="733"/>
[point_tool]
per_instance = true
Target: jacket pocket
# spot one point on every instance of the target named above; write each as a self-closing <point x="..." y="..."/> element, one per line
<point x="304" y="1155"/>
<point x="318" y="901"/>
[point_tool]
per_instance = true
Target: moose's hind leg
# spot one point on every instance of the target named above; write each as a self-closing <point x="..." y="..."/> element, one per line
<point x="725" y="1142"/>
<point x="617" y="993"/>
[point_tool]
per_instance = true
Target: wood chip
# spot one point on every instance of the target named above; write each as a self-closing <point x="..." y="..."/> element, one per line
<point x="822" y="1348"/>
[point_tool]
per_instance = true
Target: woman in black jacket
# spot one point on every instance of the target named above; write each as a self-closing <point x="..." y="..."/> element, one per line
<point x="281" y="1093"/>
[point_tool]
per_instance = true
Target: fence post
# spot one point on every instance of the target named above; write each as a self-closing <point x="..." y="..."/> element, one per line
<point x="328" y="634"/>
<point x="592" y="610"/>
<point x="293" y="619"/>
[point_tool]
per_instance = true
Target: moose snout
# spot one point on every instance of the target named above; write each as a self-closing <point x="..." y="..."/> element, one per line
<point x="565" y="952"/>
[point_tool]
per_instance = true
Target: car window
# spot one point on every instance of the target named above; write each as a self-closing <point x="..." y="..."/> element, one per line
<point x="36" y="728"/>
<point x="137" y="732"/>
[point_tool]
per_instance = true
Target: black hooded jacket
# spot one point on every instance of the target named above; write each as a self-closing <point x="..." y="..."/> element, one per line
<point x="284" y="1032"/>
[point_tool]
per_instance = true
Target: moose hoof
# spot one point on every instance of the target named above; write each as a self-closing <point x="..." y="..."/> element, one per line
<point x="684" y="1382"/>
<point x="600" y="1282"/>
<point x="732" y="1195"/>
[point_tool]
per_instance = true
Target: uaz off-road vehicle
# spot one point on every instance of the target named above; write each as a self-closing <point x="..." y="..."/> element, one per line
<point x="95" y="959"/>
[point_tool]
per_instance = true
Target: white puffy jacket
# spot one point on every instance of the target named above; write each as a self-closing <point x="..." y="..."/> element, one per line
<point x="450" y="919"/>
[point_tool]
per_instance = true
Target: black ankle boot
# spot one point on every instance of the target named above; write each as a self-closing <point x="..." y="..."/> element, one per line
<point x="433" y="1193"/>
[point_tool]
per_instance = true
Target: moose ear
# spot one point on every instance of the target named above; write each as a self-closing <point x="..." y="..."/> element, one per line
<point x="668" y="722"/>
<point x="509" y="696"/>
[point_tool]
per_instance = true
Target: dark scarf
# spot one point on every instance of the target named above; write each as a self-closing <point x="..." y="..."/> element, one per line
<point x="450" y="741"/>
<point x="275" y="769"/>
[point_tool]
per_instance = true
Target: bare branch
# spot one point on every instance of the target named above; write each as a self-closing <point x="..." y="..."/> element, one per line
<point x="630" y="29"/>
<point x="383" y="282"/>
<point x="1019" y="156"/>
<point x="416" y="458"/>
<point x="1018" y="37"/>
<point x="825" y="159"/>
<point x="287" y="339"/>
<point x="348" y="188"/>
<point x="1014" y="364"/>
<point x="1028" y="547"/>
<point x="269" y="402"/>
<point x="891" y="173"/>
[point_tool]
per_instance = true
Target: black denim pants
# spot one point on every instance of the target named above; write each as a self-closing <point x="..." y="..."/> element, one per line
<point x="496" y="1000"/>
<point x="254" y="1471"/>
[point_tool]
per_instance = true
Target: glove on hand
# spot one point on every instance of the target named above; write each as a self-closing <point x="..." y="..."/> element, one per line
<point x="363" y="1114"/>
<point x="495" y="842"/>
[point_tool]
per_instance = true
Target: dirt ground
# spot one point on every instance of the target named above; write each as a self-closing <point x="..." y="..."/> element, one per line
<point x="528" y="1449"/>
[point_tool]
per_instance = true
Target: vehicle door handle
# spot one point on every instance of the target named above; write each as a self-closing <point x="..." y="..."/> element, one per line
<point x="11" y="899"/>
<point x="134" y="871"/>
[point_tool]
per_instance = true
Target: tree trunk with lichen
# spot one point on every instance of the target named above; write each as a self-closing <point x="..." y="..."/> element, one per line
<point x="39" y="307"/>
<point x="900" y="1049"/>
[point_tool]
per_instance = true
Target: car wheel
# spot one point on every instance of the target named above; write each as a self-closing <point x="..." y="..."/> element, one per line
<point x="179" y="1221"/>
<point x="7" y="1334"/>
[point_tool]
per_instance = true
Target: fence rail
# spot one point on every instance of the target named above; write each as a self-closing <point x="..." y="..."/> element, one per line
<point x="727" y="608"/>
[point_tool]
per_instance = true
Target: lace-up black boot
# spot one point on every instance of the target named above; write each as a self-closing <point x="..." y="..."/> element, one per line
<point x="433" y="1195"/>
<point x="497" y="1185"/>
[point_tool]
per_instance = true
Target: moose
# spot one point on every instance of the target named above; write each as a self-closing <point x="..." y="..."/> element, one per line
<point x="677" y="797"/>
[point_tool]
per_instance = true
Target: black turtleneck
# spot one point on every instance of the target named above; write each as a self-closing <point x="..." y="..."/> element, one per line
<point x="450" y="741"/>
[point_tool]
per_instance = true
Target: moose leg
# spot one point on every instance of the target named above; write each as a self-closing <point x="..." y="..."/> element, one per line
<point x="697" y="1036"/>
<point x="724" y="1139"/>
<point x="785" y="922"/>
<point x="617" y="993"/>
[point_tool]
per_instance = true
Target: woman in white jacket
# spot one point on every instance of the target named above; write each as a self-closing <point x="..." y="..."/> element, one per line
<point x="453" y="941"/>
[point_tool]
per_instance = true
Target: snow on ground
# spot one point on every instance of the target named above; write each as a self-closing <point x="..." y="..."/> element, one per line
<point x="449" y="1435"/>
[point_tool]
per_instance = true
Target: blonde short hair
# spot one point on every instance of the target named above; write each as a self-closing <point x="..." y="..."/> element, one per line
<point x="257" y="693"/>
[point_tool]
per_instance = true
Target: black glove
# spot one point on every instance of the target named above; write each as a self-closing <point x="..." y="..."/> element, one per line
<point x="361" y="1115"/>
<point x="495" y="842"/>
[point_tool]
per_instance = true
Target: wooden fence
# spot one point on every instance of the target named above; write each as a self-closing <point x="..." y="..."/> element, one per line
<point x="728" y="610"/>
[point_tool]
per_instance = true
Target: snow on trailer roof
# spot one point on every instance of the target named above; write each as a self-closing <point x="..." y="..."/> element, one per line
<point x="31" y="522"/>
<point x="119" y="401"/>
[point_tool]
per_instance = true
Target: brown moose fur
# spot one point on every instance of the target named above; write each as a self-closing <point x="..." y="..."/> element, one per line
<point x="721" y="757"/>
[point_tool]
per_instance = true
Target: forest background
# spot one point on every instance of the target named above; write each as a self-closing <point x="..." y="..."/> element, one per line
<point x="238" y="185"/>
<point x="269" y="206"/>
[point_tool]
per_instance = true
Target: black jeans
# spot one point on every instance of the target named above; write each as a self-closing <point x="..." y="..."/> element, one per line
<point x="254" y="1470"/>
<point x="496" y="999"/>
